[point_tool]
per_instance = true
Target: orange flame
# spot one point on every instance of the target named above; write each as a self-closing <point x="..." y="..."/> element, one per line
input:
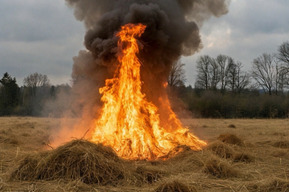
<point x="128" y="122"/>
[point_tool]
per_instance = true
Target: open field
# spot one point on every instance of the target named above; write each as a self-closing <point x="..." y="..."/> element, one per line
<point x="257" y="159"/>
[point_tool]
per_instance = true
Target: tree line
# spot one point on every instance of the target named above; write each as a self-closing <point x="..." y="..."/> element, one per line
<point x="269" y="73"/>
<point x="31" y="99"/>
<point x="224" y="89"/>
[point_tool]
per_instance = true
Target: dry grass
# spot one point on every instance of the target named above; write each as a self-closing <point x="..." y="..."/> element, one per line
<point x="273" y="185"/>
<point x="231" y="139"/>
<point x="281" y="144"/>
<point x="220" y="169"/>
<point x="252" y="157"/>
<point x="231" y="126"/>
<point x="221" y="149"/>
<point x="174" y="186"/>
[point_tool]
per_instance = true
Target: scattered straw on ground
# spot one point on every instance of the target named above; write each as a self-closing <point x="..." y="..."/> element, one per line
<point x="221" y="149"/>
<point x="149" y="174"/>
<point x="174" y="186"/>
<point x="220" y="169"/>
<point x="274" y="185"/>
<point x="243" y="157"/>
<point x="281" y="144"/>
<point x="231" y="139"/>
<point x="232" y="126"/>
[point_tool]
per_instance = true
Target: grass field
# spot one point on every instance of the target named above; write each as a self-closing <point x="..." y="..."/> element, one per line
<point x="252" y="155"/>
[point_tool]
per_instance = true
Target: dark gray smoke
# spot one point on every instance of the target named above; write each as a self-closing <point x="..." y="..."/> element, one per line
<point x="172" y="31"/>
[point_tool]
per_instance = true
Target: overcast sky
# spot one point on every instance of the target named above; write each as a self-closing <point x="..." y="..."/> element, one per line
<point x="43" y="36"/>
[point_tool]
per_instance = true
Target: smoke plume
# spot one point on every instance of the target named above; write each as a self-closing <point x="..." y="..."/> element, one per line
<point x="172" y="31"/>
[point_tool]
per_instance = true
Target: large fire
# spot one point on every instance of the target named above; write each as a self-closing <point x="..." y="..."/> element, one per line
<point x="129" y="123"/>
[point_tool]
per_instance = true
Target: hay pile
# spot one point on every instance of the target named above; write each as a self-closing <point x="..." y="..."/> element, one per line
<point x="224" y="151"/>
<point x="77" y="160"/>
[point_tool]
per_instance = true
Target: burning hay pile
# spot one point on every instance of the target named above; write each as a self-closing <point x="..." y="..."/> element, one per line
<point x="121" y="79"/>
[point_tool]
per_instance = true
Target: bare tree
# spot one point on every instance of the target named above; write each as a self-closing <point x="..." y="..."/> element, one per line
<point x="237" y="79"/>
<point x="36" y="80"/>
<point x="283" y="53"/>
<point x="266" y="72"/>
<point x="242" y="79"/>
<point x="283" y="57"/>
<point x="224" y="66"/>
<point x="232" y="74"/>
<point x="203" y="76"/>
<point x="214" y="72"/>
<point x="208" y="71"/>
<point x="281" y="78"/>
<point x="177" y="75"/>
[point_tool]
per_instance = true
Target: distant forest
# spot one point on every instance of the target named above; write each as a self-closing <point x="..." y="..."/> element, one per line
<point x="222" y="89"/>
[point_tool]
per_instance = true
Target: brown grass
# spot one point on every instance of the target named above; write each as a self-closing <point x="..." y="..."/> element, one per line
<point x="231" y="139"/>
<point x="274" y="185"/>
<point x="232" y="126"/>
<point x="281" y="144"/>
<point x="221" y="149"/>
<point x="257" y="160"/>
<point x="149" y="174"/>
<point x="174" y="186"/>
<point x="220" y="169"/>
<point x="243" y="157"/>
<point x="279" y="153"/>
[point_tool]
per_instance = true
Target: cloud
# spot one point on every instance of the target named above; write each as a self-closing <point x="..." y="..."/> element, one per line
<point x="38" y="36"/>
<point x="248" y="30"/>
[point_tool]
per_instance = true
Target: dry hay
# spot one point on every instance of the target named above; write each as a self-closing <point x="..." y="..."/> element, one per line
<point x="186" y="161"/>
<point x="232" y="126"/>
<point x="76" y="160"/>
<point x="220" y="169"/>
<point x="174" y="186"/>
<point x="243" y="157"/>
<point x="279" y="153"/>
<point x="222" y="150"/>
<point x="231" y="139"/>
<point x="281" y="144"/>
<point x="9" y="140"/>
<point x="275" y="185"/>
<point x="226" y="152"/>
<point x="149" y="174"/>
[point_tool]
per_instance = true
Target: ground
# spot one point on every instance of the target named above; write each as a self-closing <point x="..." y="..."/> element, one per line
<point x="252" y="155"/>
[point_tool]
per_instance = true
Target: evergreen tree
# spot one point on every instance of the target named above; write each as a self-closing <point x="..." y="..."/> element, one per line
<point x="9" y="94"/>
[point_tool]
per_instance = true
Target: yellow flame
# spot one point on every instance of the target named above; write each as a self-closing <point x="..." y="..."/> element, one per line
<point x="128" y="122"/>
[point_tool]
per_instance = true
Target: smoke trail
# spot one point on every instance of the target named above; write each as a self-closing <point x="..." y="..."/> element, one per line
<point x="172" y="31"/>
